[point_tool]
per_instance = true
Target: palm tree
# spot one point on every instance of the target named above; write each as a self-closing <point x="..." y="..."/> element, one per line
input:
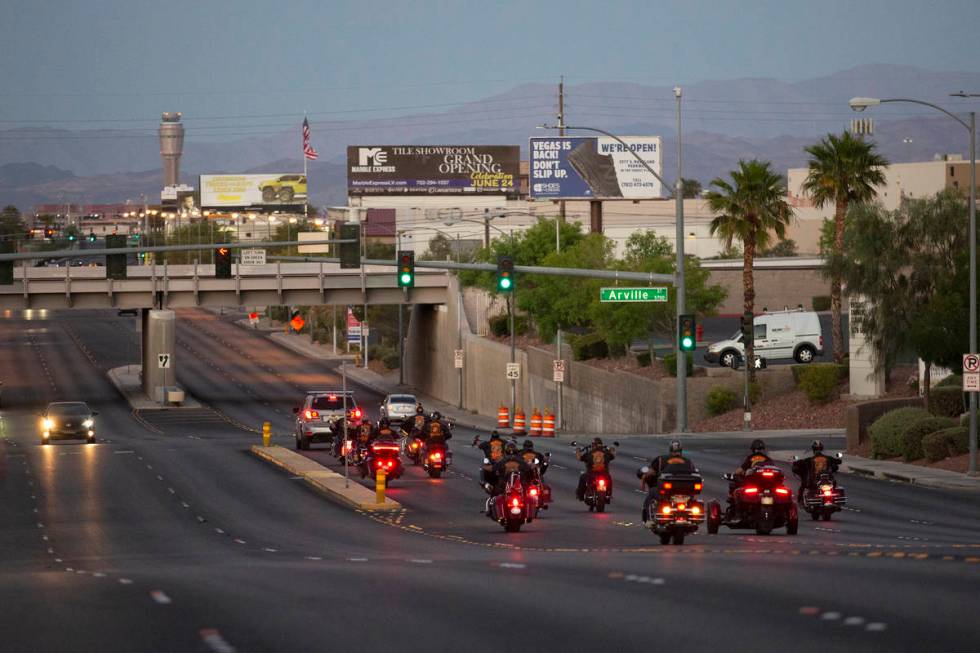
<point x="750" y="208"/>
<point x="843" y="169"/>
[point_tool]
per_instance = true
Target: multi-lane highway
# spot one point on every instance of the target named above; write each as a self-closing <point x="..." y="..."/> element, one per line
<point x="168" y="535"/>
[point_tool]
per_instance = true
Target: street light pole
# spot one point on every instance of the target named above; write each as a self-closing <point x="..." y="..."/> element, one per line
<point x="862" y="103"/>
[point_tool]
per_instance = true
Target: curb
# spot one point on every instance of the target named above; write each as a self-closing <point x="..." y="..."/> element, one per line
<point x="899" y="477"/>
<point x="139" y="402"/>
<point x="325" y="481"/>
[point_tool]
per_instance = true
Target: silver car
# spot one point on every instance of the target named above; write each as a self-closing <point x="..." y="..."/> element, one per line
<point x="398" y="408"/>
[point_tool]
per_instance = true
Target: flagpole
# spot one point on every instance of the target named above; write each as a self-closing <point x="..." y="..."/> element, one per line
<point x="306" y="201"/>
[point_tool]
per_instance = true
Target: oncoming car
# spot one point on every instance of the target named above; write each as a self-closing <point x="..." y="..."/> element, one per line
<point x="68" y="420"/>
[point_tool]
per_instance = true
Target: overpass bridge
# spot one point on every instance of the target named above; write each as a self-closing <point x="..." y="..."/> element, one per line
<point x="180" y="286"/>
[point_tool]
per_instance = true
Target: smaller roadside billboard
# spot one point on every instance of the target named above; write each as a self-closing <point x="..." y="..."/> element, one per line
<point x="595" y="168"/>
<point x="241" y="191"/>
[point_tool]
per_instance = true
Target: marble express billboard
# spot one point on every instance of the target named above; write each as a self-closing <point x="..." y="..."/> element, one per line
<point x="432" y="169"/>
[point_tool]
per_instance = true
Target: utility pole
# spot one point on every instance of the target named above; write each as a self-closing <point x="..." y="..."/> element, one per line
<point x="561" y="132"/>
<point x="680" y="290"/>
<point x="558" y="222"/>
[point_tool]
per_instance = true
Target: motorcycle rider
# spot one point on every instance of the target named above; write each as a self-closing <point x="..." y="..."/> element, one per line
<point x="511" y="462"/>
<point x="674" y="462"/>
<point x="534" y="459"/>
<point x="810" y="468"/>
<point x="596" y="458"/>
<point x="385" y="432"/>
<point x="417" y="425"/>
<point x="493" y="451"/>
<point x="757" y="456"/>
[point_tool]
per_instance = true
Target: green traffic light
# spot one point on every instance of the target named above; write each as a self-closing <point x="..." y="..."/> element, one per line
<point x="406" y="278"/>
<point x="505" y="283"/>
<point x="687" y="343"/>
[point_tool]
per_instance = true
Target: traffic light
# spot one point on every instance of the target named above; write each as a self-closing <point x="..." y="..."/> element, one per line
<point x="71" y="236"/>
<point x="505" y="274"/>
<point x="115" y="264"/>
<point x="49" y="233"/>
<point x="350" y="253"/>
<point x="685" y="332"/>
<point x="222" y="263"/>
<point x="91" y="237"/>
<point x="406" y="269"/>
<point x="747" y="319"/>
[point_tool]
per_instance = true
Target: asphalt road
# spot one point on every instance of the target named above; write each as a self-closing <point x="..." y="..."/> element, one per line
<point x="168" y="536"/>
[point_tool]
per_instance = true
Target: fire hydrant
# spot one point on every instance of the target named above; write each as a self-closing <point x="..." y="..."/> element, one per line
<point x="266" y="434"/>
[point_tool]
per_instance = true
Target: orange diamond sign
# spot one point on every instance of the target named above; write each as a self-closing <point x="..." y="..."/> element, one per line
<point x="297" y="323"/>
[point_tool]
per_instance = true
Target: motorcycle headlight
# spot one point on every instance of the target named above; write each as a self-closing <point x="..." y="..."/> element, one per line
<point x="89" y="423"/>
<point x="48" y="424"/>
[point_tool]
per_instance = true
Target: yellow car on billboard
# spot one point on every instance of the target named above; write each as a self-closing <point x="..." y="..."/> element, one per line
<point x="284" y="188"/>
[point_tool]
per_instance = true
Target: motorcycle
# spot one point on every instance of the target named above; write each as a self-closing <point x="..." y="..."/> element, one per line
<point x="762" y="501"/>
<point x="413" y="449"/>
<point x="382" y="456"/>
<point x="512" y="509"/>
<point x="436" y="459"/>
<point x="539" y="492"/>
<point x="823" y="497"/>
<point x="676" y="512"/>
<point x="598" y="487"/>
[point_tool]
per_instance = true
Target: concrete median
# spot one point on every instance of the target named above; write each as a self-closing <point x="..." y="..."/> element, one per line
<point x="329" y="483"/>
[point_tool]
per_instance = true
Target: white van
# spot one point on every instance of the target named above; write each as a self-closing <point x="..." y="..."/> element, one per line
<point x="778" y="335"/>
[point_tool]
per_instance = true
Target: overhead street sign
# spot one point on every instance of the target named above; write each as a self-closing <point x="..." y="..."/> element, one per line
<point x="657" y="294"/>
<point x="513" y="371"/>
<point x="252" y="256"/>
<point x="971" y="363"/>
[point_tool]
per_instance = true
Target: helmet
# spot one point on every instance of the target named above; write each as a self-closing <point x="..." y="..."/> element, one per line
<point x="383" y="421"/>
<point x="436" y="415"/>
<point x="758" y="446"/>
<point x="510" y="449"/>
<point x="675" y="447"/>
<point x="494" y="435"/>
<point x="816" y="445"/>
<point x="597" y="442"/>
<point x="419" y="410"/>
<point x="528" y="445"/>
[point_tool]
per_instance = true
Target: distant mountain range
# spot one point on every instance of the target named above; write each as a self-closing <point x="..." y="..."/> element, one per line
<point x="723" y="121"/>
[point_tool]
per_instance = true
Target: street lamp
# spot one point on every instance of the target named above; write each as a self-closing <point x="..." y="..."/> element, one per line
<point x="681" y="301"/>
<point x="862" y="103"/>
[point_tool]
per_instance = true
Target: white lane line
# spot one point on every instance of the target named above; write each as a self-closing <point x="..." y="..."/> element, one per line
<point x="57" y="559"/>
<point x="185" y="504"/>
<point x="357" y="559"/>
<point x="123" y="451"/>
<point x="219" y="531"/>
<point x="149" y="466"/>
<point x="268" y="550"/>
<point x="854" y="621"/>
<point x="558" y="466"/>
<point x="238" y="541"/>
<point x="171" y="490"/>
<point x="876" y="626"/>
<point x="512" y="565"/>
<point x="125" y="581"/>
<point x="160" y="597"/>
<point x="159" y="478"/>
<point x="420" y="561"/>
<point x="98" y="574"/>
<point x="830" y="616"/>
<point x="314" y="558"/>
<point x="215" y="641"/>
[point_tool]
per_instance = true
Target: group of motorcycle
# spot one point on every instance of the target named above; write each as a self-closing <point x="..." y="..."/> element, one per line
<point x="372" y="450"/>
<point x="758" y="496"/>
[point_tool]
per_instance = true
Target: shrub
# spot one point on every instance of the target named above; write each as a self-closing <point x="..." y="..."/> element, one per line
<point x="914" y="433"/>
<point x="500" y="325"/>
<point x="720" y="400"/>
<point x="819" y="381"/>
<point x="670" y="363"/>
<point x="886" y="431"/>
<point x="644" y="359"/>
<point x="948" y="442"/>
<point x="965" y="420"/>
<point x="953" y="380"/>
<point x="797" y="370"/>
<point x="821" y="303"/>
<point x="589" y="345"/>
<point x="946" y="402"/>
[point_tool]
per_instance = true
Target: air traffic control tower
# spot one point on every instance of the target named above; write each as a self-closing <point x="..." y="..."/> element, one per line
<point x="171" y="147"/>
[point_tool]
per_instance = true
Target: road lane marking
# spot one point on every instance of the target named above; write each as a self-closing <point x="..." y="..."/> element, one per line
<point x="238" y="541"/>
<point x="420" y="561"/>
<point x="160" y="597"/>
<point x="219" y="531"/>
<point x="215" y="641"/>
<point x="876" y="627"/>
<point x="830" y="616"/>
<point x="125" y="581"/>
<point x="314" y="558"/>
<point x="512" y="565"/>
<point x="854" y="621"/>
<point x="268" y="550"/>
<point x="357" y="559"/>
<point x="123" y="451"/>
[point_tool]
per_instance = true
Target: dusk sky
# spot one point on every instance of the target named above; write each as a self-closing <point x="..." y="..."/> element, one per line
<point x="266" y="62"/>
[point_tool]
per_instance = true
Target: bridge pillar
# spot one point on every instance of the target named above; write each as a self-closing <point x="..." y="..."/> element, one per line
<point x="159" y="349"/>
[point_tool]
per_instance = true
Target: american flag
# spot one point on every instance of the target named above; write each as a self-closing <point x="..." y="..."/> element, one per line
<point x="308" y="150"/>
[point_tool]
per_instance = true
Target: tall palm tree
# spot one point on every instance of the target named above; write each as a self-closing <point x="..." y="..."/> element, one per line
<point x="750" y="208"/>
<point x="843" y="169"/>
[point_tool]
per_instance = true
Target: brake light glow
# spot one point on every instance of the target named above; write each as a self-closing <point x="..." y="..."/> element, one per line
<point x="695" y="510"/>
<point x="357" y="413"/>
<point x="768" y="474"/>
<point x="782" y="490"/>
<point x="515" y="502"/>
<point x="668" y="485"/>
<point x="415" y="444"/>
<point x="828" y="493"/>
<point x="533" y="491"/>
<point x="310" y="414"/>
<point x="665" y="510"/>
<point x="601" y="483"/>
<point x="751" y="490"/>
<point x="332" y="397"/>
<point x="436" y="456"/>
<point x="826" y="488"/>
<point x="697" y="486"/>
<point x="681" y="506"/>
<point x="381" y="464"/>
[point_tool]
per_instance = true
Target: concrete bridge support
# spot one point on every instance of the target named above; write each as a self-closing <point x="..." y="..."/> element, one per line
<point x="159" y="334"/>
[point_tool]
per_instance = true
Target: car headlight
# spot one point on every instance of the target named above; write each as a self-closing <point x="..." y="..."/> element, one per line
<point x="48" y="424"/>
<point x="89" y="423"/>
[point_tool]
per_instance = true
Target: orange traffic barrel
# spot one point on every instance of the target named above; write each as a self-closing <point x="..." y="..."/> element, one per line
<point x="548" y="425"/>
<point x="519" y="422"/>
<point x="503" y="417"/>
<point x="535" y="423"/>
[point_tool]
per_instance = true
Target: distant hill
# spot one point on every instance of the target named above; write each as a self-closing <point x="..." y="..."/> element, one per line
<point x="723" y="121"/>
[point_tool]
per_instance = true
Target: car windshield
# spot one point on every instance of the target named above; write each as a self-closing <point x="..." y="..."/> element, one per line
<point x="402" y="399"/>
<point x="68" y="410"/>
<point x="331" y="402"/>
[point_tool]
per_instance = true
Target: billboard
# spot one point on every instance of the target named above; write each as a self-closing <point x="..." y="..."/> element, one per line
<point x="241" y="191"/>
<point x="594" y="168"/>
<point x="432" y="169"/>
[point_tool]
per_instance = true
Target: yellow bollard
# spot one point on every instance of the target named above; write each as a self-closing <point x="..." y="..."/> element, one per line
<point x="266" y="434"/>
<point x="379" y="486"/>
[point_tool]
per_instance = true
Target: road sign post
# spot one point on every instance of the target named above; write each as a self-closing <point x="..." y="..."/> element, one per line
<point x="458" y="359"/>
<point x="163" y="361"/>
<point x="558" y="370"/>
<point x="513" y="371"/>
<point x="253" y="256"/>
<point x="654" y="294"/>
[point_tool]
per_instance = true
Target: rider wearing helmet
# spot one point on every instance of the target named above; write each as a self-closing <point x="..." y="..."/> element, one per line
<point x="435" y="431"/>
<point x="757" y="456"/>
<point x="596" y="458"/>
<point x="510" y="463"/>
<point x="385" y="432"/>
<point x="810" y="468"/>
<point x="534" y="459"/>
<point x="674" y="462"/>
<point x="493" y="451"/>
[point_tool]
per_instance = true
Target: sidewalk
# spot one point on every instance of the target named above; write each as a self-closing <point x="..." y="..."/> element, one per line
<point x="895" y="471"/>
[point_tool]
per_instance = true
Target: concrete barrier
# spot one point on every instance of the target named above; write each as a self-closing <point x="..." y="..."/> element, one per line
<point x="328" y="482"/>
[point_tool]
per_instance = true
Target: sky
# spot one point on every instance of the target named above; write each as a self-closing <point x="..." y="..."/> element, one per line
<point x="119" y="63"/>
